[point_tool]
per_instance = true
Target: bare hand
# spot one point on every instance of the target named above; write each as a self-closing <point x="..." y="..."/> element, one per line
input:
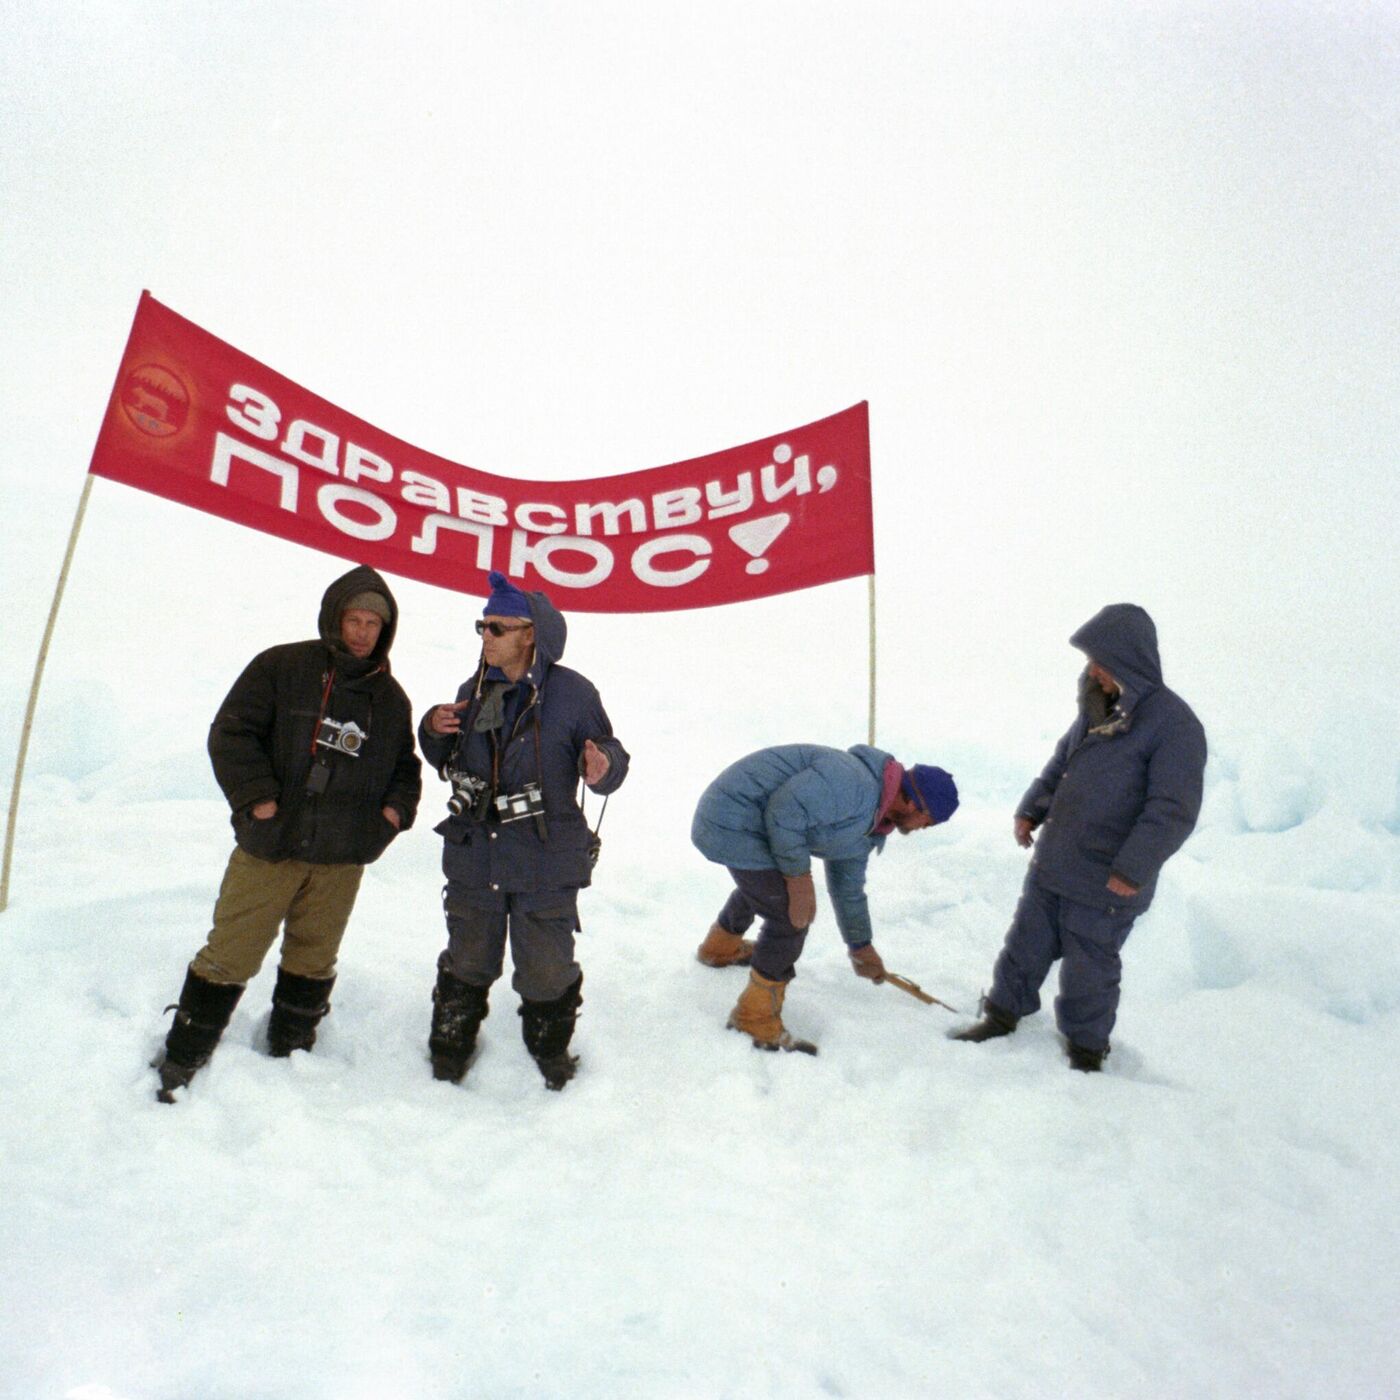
<point x="867" y="963"/>
<point x="595" y="763"/>
<point x="446" y="719"/>
<point x="1121" y="887"/>
<point x="391" y="815"/>
<point x="1022" y="829"/>
<point x="263" y="810"/>
<point x="802" y="900"/>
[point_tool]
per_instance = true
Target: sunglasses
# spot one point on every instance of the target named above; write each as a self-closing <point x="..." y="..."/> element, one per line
<point x="499" y="629"/>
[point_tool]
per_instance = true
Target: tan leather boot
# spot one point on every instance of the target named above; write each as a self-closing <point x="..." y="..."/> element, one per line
<point x="759" y="1015"/>
<point x="724" y="949"/>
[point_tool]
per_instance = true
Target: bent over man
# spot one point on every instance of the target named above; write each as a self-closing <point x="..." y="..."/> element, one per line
<point x="313" y="748"/>
<point x="1120" y="795"/>
<point x="516" y="850"/>
<point x="765" y="818"/>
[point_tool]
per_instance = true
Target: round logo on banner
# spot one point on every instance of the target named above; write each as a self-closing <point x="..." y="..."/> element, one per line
<point x="155" y="400"/>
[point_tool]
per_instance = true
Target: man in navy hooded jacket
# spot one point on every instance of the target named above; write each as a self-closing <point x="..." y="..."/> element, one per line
<point x="1120" y="795"/>
<point x="516" y="849"/>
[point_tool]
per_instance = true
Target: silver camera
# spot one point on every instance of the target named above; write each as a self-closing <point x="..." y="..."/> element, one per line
<point x="516" y="806"/>
<point x="343" y="738"/>
<point x="470" y="797"/>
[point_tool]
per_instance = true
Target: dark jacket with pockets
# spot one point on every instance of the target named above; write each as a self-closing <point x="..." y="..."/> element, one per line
<point x="263" y="743"/>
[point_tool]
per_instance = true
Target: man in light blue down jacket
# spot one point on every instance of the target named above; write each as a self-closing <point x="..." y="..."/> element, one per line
<point x="765" y="818"/>
<point x="1120" y="795"/>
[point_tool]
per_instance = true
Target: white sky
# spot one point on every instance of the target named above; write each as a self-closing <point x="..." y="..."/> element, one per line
<point x="1120" y="282"/>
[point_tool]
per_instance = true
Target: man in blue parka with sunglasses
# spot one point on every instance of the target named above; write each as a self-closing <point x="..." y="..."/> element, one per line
<point x="522" y="734"/>
<point x="1120" y="795"/>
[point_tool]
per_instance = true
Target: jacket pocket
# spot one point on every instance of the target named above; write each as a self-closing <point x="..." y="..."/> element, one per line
<point x="261" y="836"/>
<point x="575" y="860"/>
<point x="1101" y="842"/>
<point x="376" y="834"/>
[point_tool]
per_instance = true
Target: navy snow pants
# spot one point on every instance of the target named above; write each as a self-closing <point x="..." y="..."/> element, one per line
<point x="541" y="929"/>
<point x="1086" y="940"/>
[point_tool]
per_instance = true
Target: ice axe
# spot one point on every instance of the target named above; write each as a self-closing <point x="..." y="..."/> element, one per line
<point x="914" y="990"/>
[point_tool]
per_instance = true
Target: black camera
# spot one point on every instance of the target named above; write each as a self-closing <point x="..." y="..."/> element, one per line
<point x="346" y="737"/>
<point x="470" y="797"/>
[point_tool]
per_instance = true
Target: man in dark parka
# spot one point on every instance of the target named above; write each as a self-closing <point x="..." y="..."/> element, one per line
<point x="1120" y="795"/>
<point x="522" y="733"/>
<point x="313" y="748"/>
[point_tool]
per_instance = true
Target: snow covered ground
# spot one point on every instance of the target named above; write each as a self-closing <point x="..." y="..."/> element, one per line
<point x="901" y="1216"/>
<point x="1120" y="286"/>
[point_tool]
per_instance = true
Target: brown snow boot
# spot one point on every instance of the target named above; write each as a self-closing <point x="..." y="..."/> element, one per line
<point x="759" y="1015"/>
<point x="724" y="949"/>
<point x="995" y="1022"/>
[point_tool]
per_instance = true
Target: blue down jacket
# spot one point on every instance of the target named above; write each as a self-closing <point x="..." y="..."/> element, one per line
<point x="1122" y="791"/>
<point x="780" y="807"/>
<point x="546" y="723"/>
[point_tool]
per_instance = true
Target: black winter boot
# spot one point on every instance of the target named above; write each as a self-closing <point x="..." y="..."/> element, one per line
<point x="201" y="1016"/>
<point x="995" y="1022"/>
<point x="298" y="1004"/>
<point x="547" y="1027"/>
<point x="459" y="1008"/>
<point x="1082" y="1058"/>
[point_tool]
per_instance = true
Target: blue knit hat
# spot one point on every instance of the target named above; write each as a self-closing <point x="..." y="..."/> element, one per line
<point x="506" y="599"/>
<point x="933" y="789"/>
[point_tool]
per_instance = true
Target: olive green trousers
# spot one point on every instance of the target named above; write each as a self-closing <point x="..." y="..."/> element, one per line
<point x="257" y="896"/>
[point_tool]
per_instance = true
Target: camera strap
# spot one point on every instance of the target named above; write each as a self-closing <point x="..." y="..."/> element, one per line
<point x="487" y="700"/>
<point x="318" y="778"/>
<point x="595" y="841"/>
<point x="327" y="686"/>
<point x="454" y="758"/>
<point x="582" y="792"/>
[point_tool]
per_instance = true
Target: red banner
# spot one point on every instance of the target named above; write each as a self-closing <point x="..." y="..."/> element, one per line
<point x="196" y="421"/>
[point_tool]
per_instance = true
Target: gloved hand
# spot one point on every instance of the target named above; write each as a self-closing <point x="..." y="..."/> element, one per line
<point x="866" y="962"/>
<point x="802" y="900"/>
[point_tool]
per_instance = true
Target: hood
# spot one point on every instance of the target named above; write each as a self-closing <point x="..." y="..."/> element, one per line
<point x="1123" y="640"/>
<point x="361" y="579"/>
<point x="551" y="633"/>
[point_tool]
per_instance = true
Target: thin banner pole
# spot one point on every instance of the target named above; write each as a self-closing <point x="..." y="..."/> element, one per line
<point x="871" y="739"/>
<point x="34" y="696"/>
